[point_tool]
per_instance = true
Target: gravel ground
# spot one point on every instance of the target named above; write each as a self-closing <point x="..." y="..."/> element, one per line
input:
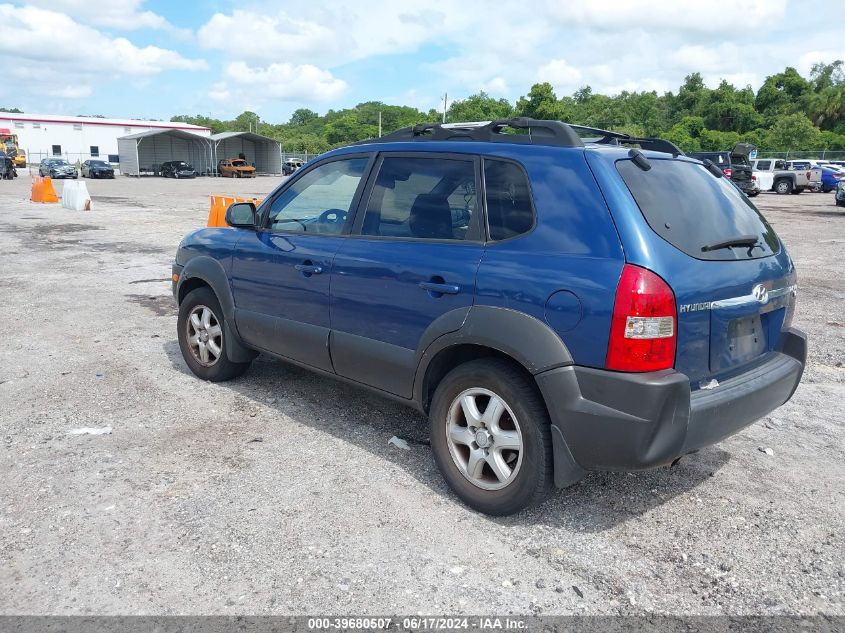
<point x="278" y="493"/>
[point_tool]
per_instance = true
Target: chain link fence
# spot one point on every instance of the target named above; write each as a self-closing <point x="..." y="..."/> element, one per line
<point x="34" y="159"/>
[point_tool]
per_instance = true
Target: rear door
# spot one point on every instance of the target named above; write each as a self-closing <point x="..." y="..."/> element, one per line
<point x="413" y="257"/>
<point x="733" y="300"/>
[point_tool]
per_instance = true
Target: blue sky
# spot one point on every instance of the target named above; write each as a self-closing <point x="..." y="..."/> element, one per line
<point x="155" y="59"/>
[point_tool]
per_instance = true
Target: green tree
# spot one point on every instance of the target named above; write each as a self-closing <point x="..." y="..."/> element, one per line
<point x="826" y="105"/>
<point x="540" y="103"/>
<point x="783" y="93"/>
<point x="303" y="116"/>
<point x="792" y="132"/>
<point x="216" y="125"/>
<point x="479" y="107"/>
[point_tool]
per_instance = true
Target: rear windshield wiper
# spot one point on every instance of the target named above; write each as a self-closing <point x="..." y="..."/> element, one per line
<point x="740" y="240"/>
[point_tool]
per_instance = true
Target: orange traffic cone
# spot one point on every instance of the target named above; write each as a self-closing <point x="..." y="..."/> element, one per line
<point x="42" y="190"/>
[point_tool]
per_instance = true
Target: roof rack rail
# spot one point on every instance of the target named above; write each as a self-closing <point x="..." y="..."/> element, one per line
<point x="538" y="132"/>
<point x="606" y="137"/>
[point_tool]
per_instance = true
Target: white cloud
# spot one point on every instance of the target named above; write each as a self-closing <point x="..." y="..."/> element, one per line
<point x="563" y="77"/>
<point x="676" y="16"/>
<point x="496" y="86"/>
<point x="42" y="36"/>
<point x="69" y="92"/>
<point x="116" y="14"/>
<point x="284" y="82"/>
<point x="320" y="33"/>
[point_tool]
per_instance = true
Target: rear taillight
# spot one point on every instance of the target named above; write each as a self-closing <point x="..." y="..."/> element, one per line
<point x="728" y="172"/>
<point x="643" y="330"/>
<point x="809" y="175"/>
<point x="753" y="177"/>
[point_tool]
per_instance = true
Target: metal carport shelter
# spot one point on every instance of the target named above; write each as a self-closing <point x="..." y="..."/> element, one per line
<point x="265" y="153"/>
<point x="144" y="152"/>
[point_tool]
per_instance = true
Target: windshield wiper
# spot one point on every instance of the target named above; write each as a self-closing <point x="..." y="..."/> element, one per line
<point x="740" y="240"/>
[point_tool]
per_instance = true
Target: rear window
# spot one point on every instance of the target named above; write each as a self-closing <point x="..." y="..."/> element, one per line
<point x="690" y="208"/>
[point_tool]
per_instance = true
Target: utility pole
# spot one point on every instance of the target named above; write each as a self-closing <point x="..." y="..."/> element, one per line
<point x="379" y="123"/>
<point x="445" y="100"/>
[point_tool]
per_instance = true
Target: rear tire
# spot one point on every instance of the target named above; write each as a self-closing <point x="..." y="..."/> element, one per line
<point x="783" y="187"/>
<point x="476" y="454"/>
<point x="201" y="331"/>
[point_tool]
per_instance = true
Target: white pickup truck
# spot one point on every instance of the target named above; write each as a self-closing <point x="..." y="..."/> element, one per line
<point x="773" y="174"/>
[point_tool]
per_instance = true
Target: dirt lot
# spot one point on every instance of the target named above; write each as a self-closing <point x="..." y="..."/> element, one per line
<point x="278" y="492"/>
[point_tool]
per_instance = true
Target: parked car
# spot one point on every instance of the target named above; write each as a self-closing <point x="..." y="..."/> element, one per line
<point x="775" y="175"/>
<point x="554" y="307"/>
<point x="177" y="169"/>
<point x="812" y="168"/>
<point x="96" y="169"/>
<point x="235" y="168"/>
<point x="290" y="166"/>
<point x="57" y="168"/>
<point x="735" y="164"/>
<point x="831" y="177"/>
<point x="840" y="194"/>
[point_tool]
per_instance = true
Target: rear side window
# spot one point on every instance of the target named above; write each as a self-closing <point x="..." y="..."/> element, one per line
<point x="509" y="209"/>
<point x="764" y="164"/>
<point x="692" y="210"/>
<point x="423" y="198"/>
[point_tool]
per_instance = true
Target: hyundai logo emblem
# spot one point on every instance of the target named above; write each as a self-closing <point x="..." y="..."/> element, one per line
<point x="760" y="293"/>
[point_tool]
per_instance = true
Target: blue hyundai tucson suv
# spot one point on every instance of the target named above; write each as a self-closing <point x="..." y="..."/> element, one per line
<point x="556" y="299"/>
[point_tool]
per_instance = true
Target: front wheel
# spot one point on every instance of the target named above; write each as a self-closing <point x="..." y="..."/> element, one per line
<point x="491" y="437"/>
<point x="201" y="333"/>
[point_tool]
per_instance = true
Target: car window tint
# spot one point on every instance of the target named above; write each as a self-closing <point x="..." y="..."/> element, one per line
<point x="423" y="198"/>
<point x="690" y="208"/>
<point x="320" y="200"/>
<point x="764" y="164"/>
<point x="509" y="209"/>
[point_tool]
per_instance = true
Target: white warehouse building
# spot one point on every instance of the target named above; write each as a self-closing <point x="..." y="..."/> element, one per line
<point x="79" y="138"/>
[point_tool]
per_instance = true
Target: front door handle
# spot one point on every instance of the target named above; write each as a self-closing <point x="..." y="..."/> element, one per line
<point x="438" y="289"/>
<point x="309" y="269"/>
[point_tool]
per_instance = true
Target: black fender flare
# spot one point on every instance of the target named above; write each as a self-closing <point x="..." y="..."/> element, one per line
<point x="526" y="339"/>
<point x="211" y="271"/>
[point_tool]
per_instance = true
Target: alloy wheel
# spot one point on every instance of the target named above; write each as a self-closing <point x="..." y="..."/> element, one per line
<point x="484" y="438"/>
<point x="204" y="335"/>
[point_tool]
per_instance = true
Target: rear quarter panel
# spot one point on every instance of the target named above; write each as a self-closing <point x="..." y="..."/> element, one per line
<point x="573" y="253"/>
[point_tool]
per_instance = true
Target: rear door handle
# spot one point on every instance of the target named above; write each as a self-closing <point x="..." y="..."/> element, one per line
<point x="442" y="288"/>
<point x="309" y="269"/>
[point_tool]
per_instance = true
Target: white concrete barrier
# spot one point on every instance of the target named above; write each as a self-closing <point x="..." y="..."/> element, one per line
<point x="75" y="196"/>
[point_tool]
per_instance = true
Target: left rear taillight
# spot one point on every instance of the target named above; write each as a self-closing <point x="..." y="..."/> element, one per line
<point x="728" y="171"/>
<point x="643" y="330"/>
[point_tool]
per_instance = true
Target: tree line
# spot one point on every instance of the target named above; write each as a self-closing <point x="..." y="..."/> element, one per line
<point x="788" y="112"/>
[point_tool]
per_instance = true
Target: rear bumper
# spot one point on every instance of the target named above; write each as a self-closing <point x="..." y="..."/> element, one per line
<point x="605" y="420"/>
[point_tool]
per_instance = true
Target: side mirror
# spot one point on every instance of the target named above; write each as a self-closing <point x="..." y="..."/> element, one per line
<point x="241" y="215"/>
